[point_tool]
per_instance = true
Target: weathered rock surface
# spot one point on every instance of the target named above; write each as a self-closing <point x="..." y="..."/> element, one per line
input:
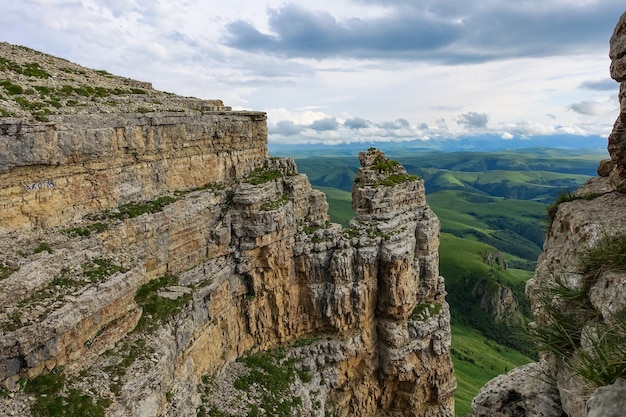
<point x="523" y="392"/>
<point x="617" y="138"/>
<point x="608" y="401"/>
<point x="579" y="315"/>
<point x="147" y="306"/>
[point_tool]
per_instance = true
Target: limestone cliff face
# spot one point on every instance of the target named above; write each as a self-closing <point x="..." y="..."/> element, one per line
<point x="579" y="310"/>
<point x="57" y="172"/>
<point x="162" y="250"/>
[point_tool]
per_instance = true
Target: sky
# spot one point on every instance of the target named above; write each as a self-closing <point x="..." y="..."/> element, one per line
<point x="337" y="71"/>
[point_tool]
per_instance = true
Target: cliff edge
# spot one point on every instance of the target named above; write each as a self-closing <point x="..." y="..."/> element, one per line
<point x="155" y="261"/>
<point x="578" y="295"/>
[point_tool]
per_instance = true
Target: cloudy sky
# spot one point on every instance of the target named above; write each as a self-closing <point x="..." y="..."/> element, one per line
<point x="352" y="70"/>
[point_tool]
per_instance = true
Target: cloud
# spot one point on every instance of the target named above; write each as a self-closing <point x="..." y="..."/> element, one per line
<point x="326" y="124"/>
<point x="299" y="32"/>
<point x="600" y="85"/>
<point x="473" y="120"/>
<point x="443" y="31"/>
<point x="286" y="128"/>
<point x="588" y="108"/>
<point x="356" y="123"/>
<point x="395" y="125"/>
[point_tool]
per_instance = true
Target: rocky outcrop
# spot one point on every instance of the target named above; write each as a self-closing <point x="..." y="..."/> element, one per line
<point x="522" y="392"/>
<point x="161" y="251"/>
<point x="578" y="294"/>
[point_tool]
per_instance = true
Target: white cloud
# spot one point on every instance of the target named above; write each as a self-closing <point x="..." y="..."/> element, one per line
<point x="589" y="108"/>
<point x="366" y="91"/>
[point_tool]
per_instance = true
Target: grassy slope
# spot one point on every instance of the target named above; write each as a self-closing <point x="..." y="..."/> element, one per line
<point x="340" y="205"/>
<point x="477" y="360"/>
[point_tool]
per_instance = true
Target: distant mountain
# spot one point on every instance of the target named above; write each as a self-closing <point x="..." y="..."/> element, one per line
<point x="467" y="143"/>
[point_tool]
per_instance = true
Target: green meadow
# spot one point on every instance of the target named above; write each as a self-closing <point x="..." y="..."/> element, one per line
<point x="478" y="359"/>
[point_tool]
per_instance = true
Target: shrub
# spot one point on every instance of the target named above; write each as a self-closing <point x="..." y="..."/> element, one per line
<point x="274" y="374"/>
<point x="43" y="246"/>
<point x="100" y="268"/>
<point x="51" y="400"/>
<point x="131" y="210"/>
<point x="34" y="70"/>
<point x="86" y="230"/>
<point x="382" y="164"/>
<point x="395" y="179"/>
<point x="609" y="254"/>
<point x="569" y="317"/>
<point x="159" y="309"/>
<point x="604" y="360"/>
<point x="11" y="88"/>
<point x="262" y="175"/>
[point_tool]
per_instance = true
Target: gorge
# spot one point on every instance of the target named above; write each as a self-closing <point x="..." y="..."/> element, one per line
<point x="153" y="251"/>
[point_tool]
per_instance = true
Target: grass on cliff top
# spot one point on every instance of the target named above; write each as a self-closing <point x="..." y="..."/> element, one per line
<point x="478" y="359"/>
<point x="262" y="175"/>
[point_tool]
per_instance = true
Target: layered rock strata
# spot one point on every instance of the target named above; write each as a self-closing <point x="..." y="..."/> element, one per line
<point x="161" y="248"/>
<point x="57" y="172"/>
<point x="579" y="312"/>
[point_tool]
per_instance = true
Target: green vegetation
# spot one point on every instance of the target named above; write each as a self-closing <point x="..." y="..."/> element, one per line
<point x="273" y="373"/>
<point x="478" y="359"/>
<point x="11" y="88"/>
<point x="268" y="380"/>
<point x="385" y="165"/>
<point x="86" y="230"/>
<point x="424" y="311"/>
<point x="468" y="277"/>
<point x="528" y="174"/>
<point x="570" y="317"/>
<point x="127" y="352"/>
<point x="282" y="200"/>
<point x="131" y="210"/>
<point x="156" y="309"/>
<point x="213" y="186"/>
<point x="96" y="270"/>
<point x="100" y="268"/>
<point x="41" y="247"/>
<point x="53" y="399"/>
<point x="262" y="175"/>
<point x="31" y="69"/>
<point x="609" y="254"/>
<point x="604" y="361"/>
<point x="395" y="179"/>
<point x="6" y="271"/>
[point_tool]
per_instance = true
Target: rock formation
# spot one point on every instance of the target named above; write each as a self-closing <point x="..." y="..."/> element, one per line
<point x="578" y="295"/>
<point x="155" y="263"/>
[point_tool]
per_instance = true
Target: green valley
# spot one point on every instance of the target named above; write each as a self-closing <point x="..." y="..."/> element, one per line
<point x="492" y="209"/>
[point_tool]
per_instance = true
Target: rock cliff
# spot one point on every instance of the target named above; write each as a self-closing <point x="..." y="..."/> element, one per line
<point x="155" y="261"/>
<point x="578" y="295"/>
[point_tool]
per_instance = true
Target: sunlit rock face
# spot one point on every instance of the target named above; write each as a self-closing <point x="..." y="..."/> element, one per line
<point x="145" y="255"/>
